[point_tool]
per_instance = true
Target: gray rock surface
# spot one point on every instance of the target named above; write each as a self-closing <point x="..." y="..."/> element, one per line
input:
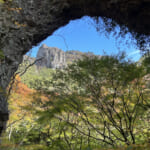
<point x="52" y="57"/>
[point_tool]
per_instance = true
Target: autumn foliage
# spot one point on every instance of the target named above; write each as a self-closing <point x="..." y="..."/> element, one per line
<point x="21" y="96"/>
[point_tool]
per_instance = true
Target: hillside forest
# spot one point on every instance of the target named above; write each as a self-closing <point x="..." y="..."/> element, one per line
<point x="92" y="104"/>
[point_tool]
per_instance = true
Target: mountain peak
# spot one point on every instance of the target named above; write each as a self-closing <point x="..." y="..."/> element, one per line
<point x="44" y="46"/>
<point x="54" y="57"/>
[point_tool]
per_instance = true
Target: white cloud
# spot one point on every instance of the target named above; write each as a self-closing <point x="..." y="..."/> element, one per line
<point x="134" y="53"/>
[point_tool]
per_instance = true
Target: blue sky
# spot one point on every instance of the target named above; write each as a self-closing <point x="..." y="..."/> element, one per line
<point x="82" y="35"/>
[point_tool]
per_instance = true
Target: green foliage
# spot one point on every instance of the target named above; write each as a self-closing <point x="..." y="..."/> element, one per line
<point x="92" y="104"/>
<point x="101" y="97"/>
<point x="146" y="63"/>
<point x="36" y="78"/>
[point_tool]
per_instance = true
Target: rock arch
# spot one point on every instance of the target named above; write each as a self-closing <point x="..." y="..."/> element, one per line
<point x="25" y="23"/>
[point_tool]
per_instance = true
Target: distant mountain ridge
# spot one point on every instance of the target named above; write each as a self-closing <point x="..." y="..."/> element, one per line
<point x="53" y="57"/>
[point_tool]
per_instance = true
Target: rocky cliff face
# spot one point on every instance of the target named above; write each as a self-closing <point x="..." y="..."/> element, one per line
<point x="52" y="57"/>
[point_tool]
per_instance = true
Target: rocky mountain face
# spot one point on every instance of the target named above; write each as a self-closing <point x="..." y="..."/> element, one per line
<point x="28" y="59"/>
<point x="52" y="57"/>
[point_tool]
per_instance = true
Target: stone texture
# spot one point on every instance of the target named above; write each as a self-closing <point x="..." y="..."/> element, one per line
<point x="25" y="23"/>
<point x="52" y="57"/>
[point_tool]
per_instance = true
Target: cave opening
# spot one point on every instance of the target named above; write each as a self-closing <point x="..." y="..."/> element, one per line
<point x="24" y="26"/>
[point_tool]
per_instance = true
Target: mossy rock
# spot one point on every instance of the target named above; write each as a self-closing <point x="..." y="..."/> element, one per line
<point x="2" y="56"/>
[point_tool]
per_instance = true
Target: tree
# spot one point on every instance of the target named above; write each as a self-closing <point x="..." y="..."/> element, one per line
<point x="104" y="99"/>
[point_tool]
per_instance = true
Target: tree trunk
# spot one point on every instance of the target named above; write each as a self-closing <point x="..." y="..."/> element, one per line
<point x="10" y="132"/>
<point x="7" y="70"/>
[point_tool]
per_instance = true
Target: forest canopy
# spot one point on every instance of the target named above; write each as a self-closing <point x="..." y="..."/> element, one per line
<point x="91" y="104"/>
